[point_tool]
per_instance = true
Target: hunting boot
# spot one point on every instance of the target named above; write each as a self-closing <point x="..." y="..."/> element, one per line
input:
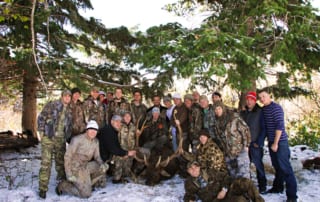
<point x="42" y="194"/>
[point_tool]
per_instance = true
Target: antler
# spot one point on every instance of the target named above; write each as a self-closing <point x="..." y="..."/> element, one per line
<point x="177" y="152"/>
<point x="144" y="160"/>
<point x="141" y="130"/>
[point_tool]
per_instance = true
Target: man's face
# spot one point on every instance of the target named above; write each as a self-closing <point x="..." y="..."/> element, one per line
<point x="203" y="139"/>
<point x="204" y="103"/>
<point x="194" y="171"/>
<point x="155" y="115"/>
<point x="250" y="103"/>
<point x="91" y="133"/>
<point x="216" y="98"/>
<point x="156" y="101"/>
<point x="94" y="94"/>
<point x="101" y="97"/>
<point x="177" y="101"/>
<point x="196" y="95"/>
<point x="265" y="98"/>
<point x="66" y="99"/>
<point x="76" y="96"/>
<point x="167" y="104"/>
<point x="116" y="124"/>
<point x="127" y="118"/>
<point x="218" y="111"/>
<point x="137" y="96"/>
<point x="118" y="93"/>
<point x="188" y="103"/>
<point x="109" y="96"/>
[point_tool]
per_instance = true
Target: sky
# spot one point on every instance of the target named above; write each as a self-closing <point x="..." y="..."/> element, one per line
<point x="132" y="13"/>
<point x="141" y="13"/>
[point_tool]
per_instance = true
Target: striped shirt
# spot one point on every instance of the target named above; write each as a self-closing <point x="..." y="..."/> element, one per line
<point x="274" y="120"/>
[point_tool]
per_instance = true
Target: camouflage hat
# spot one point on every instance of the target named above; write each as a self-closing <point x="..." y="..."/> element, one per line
<point x="188" y="97"/>
<point x="191" y="163"/>
<point x="167" y="99"/>
<point x="66" y="92"/>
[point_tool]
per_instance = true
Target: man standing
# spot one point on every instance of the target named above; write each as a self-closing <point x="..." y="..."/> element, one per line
<point x="253" y="116"/>
<point x="195" y="118"/>
<point x="54" y="126"/>
<point x="156" y="100"/>
<point x="180" y="117"/>
<point x="208" y="117"/>
<point x="78" y="119"/>
<point x="137" y="108"/>
<point x="82" y="172"/>
<point x="118" y="105"/>
<point x="94" y="109"/>
<point x="278" y="147"/>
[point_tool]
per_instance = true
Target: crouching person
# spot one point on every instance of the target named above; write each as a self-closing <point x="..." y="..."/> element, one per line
<point x="82" y="173"/>
<point x="212" y="185"/>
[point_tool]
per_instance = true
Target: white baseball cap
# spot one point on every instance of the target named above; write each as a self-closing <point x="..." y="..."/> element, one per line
<point x="92" y="124"/>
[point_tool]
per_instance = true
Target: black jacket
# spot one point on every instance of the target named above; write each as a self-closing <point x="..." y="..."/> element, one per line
<point x="109" y="143"/>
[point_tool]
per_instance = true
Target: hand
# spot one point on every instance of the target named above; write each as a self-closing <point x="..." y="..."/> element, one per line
<point x="72" y="178"/>
<point x="221" y="194"/>
<point x="132" y="153"/>
<point x="246" y="149"/>
<point x="138" y="132"/>
<point x="177" y="122"/>
<point x="274" y="147"/>
<point x="104" y="167"/>
<point x="255" y="145"/>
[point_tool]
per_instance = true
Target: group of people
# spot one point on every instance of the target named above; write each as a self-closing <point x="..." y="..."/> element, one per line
<point x="219" y="142"/>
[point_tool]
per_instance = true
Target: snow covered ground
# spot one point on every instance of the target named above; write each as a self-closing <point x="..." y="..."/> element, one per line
<point x="19" y="182"/>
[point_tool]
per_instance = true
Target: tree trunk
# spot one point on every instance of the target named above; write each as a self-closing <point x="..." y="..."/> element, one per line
<point x="29" y="106"/>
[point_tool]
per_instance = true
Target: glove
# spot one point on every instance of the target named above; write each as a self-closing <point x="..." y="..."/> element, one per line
<point x="72" y="178"/>
<point x="104" y="167"/>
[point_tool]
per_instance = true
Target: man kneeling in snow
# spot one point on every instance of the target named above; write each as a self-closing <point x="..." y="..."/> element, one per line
<point x="82" y="173"/>
<point x="213" y="185"/>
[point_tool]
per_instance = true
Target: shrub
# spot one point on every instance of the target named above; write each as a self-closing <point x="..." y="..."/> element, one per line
<point x="306" y="131"/>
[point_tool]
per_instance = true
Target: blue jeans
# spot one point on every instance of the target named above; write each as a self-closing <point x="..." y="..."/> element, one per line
<point x="174" y="138"/>
<point x="256" y="155"/>
<point x="284" y="173"/>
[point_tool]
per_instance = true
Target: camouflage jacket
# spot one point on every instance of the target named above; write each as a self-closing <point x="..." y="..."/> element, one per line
<point x="118" y="107"/>
<point x="49" y="119"/>
<point x="209" y="121"/>
<point x="195" y="121"/>
<point x="95" y="110"/>
<point x="127" y="136"/>
<point x="80" y="151"/>
<point x="78" y="119"/>
<point x="235" y="137"/>
<point x="138" y="111"/>
<point x="207" y="186"/>
<point x="154" y="130"/>
<point x="210" y="156"/>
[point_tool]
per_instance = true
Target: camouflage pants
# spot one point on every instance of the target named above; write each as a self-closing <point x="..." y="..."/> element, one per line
<point x="51" y="148"/>
<point x="239" y="166"/>
<point x="122" y="167"/>
<point x="86" y="177"/>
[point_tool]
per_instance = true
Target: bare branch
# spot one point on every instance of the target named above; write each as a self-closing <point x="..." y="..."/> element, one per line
<point x="34" y="44"/>
<point x="112" y="83"/>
